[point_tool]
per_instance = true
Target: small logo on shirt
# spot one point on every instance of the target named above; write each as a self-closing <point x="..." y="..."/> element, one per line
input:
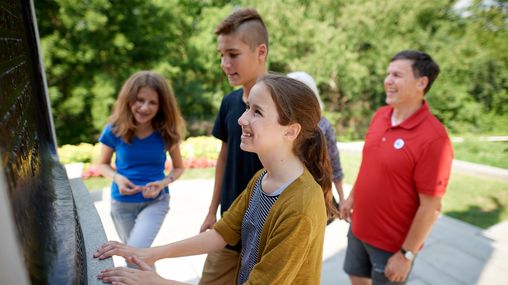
<point x="398" y="144"/>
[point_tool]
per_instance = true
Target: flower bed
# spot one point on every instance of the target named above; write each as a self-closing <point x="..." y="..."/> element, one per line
<point x="197" y="152"/>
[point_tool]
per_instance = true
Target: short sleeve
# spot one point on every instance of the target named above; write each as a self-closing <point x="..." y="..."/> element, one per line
<point x="108" y="137"/>
<point x="433" y="168"/>
<point x="220" y="129"/>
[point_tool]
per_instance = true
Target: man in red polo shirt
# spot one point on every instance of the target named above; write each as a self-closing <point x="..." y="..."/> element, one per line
<point x="405" y="168"/>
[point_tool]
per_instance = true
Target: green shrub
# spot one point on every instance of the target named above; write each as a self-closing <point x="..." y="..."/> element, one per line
<point x="200" y="147"/>
<point x="76" y="153"/>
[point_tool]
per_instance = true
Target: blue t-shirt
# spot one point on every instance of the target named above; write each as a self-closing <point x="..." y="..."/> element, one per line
<point x="142" y="161"/>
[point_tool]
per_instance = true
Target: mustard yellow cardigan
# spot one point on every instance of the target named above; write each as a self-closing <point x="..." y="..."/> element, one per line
<point x="291" y="243"/>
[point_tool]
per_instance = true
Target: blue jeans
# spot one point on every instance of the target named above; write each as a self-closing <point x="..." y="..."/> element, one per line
<point x="137" y="224"/>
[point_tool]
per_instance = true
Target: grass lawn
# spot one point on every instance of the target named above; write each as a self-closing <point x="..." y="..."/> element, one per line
<point x="476" y="200"/>
<point x="350" y="165"/>
<point x="483" y="152"/>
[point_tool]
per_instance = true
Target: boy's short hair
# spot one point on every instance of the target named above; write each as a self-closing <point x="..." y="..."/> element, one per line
<point x="249" y="26"/>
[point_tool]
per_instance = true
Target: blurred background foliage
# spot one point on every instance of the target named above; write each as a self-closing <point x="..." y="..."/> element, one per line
<point x="90" y="47"/>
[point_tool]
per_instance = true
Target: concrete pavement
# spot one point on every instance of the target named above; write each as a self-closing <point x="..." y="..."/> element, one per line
<point x="455" y="253"/>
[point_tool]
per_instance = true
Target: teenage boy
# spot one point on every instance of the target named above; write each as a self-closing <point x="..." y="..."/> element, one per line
<point x="242" y="42"/>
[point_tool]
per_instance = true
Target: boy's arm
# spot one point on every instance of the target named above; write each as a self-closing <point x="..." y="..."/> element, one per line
<point x="211" y="217"/>
<point x="346" y="207"/>
<point x="339" y="188"/>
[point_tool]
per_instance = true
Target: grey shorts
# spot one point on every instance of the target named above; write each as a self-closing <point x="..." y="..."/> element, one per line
<point x="364" y="260"/>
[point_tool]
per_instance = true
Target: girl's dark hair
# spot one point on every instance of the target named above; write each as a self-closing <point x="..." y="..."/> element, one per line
<point x="168" y="120"/>
<point x="296" y="103"/>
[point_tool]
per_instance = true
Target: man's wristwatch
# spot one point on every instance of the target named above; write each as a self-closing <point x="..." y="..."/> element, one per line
<point x="409" y="255"/>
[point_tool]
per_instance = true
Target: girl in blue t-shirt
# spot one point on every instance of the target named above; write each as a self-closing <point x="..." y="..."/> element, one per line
<point x="145" y="124"/>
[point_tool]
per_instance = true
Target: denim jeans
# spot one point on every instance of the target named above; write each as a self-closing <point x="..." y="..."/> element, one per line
<point x="137" y="224"/>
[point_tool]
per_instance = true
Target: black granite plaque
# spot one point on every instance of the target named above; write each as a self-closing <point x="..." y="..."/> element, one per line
<point x="48" y="228"/>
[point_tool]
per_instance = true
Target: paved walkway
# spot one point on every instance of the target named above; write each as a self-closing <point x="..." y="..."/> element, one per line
<point x="455" y="253"/>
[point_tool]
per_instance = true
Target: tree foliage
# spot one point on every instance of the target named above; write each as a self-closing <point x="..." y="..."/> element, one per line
<point x="90" y="47"/>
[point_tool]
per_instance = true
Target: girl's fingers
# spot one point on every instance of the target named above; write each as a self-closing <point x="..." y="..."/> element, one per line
<point x="117" y="271"/>
<point x="140" y="263"/>
<point x="108" y="249"/>
<point x="101" y="250"/>
<point x="120" y="275"/>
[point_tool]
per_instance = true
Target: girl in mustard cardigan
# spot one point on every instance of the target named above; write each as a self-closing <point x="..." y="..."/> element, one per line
<point x="280" y="218"/>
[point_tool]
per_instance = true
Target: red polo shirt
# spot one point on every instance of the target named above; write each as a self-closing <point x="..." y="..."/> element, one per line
<point x="398" y="163"/>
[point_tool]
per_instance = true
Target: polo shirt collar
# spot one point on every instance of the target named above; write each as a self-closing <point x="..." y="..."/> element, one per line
<point x="413" y="120"/>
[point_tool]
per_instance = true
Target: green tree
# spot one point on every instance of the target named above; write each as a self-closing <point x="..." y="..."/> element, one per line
<point x="91" y="47"/>
<point x="346" y="46"/>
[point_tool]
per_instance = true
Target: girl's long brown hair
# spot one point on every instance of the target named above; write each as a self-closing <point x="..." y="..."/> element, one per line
<point x="296" y="103"/>
<point x="168" y="121"/>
